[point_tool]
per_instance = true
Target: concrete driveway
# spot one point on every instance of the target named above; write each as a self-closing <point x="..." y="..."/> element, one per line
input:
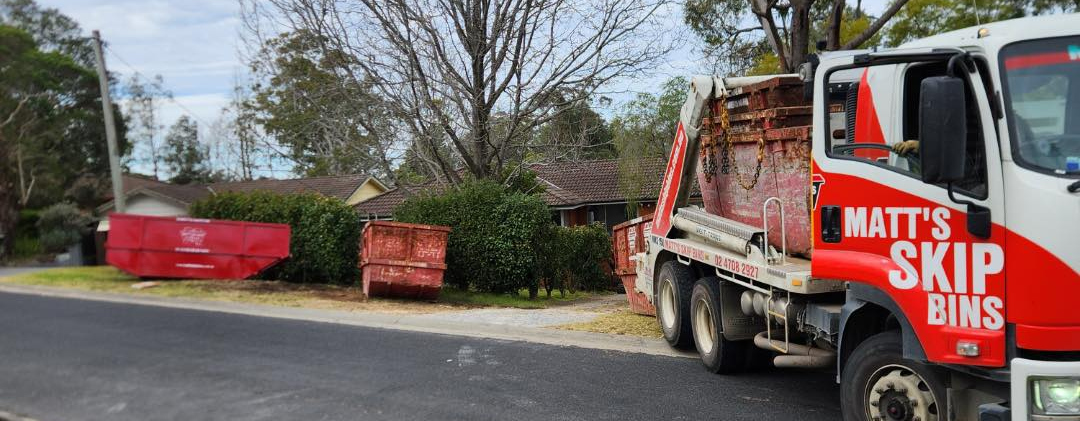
<point x="9" y="271"/>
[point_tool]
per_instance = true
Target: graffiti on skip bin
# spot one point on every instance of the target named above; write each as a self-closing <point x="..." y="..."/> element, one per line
<point x="193" y="236"/>
<point x="428" y="252"/>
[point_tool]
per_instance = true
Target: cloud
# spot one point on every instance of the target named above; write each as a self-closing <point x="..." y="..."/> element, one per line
<point x="191" y="43"/>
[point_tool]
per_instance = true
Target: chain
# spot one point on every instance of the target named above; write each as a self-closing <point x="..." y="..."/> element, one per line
<point x="729" y="150"/>
<point x="708" y="148"/>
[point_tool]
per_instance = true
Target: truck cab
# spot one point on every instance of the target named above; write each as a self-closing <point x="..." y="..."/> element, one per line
<point x="943" y="211"/>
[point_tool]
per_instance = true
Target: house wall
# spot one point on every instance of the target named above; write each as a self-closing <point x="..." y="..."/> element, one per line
<point x="646" y="208"/>
<point x="608" y="215"/>
<point x="366" y="191"/>
<point x="574" y="217"/>
<point x="146" y="205"/>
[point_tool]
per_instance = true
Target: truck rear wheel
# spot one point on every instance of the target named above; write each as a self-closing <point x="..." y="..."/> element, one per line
<point x="672" y="301"/>
<point x="879" y="384"/>
<point x="718" y="354"/>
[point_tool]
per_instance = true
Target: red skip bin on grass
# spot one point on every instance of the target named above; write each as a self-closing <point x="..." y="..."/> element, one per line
<point x="190" y="248"/>
<point x="403" y="260"/>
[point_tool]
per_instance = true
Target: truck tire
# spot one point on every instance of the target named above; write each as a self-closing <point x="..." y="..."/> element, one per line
<point x="879" y="384"/>
<point x="672" y="300"/>
<point x="718" y="354"/>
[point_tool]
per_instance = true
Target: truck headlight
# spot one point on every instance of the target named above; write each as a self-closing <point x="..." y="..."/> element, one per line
<point x="1056" y="396"/>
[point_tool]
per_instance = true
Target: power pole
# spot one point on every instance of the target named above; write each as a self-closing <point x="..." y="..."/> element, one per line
<point x="110" y="127"/>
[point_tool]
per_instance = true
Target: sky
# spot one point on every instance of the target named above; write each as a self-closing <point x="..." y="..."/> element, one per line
<point x="193" y="45"/>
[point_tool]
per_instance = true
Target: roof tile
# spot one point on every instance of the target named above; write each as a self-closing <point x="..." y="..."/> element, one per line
<point x="567" y="184"/>
<point x="340" y="187"/>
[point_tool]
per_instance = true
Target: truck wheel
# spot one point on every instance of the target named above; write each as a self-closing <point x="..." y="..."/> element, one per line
<point x="673" y="304"/>
<point x="879" y="384"/>
<point x="719" y="355"/>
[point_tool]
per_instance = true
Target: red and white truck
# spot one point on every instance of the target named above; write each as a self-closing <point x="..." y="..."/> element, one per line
<point x="910" y="217"/>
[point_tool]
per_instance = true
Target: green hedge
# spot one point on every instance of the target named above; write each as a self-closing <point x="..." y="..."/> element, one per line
<point x="493" y="245"/>
<point x="572" y="258"/>
<point x="325" y="231"/>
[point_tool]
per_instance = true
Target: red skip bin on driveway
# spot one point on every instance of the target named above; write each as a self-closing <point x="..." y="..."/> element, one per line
<point x="628" y="239"/>
<point x="403" y="260"/>
<point x="190" y="248"/>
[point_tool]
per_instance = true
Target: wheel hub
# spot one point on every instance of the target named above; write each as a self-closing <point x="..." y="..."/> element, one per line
<point x="900" y="394"/>
<point x="704" y="332"/>
<point x="667" y="305"/>
<point x="897" y="406"/>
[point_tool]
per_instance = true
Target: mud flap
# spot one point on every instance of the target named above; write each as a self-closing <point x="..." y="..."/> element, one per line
<point x="737" y="326"/>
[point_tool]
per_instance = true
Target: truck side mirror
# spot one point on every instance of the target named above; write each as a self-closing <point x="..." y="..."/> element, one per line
<point x="942" y="129"/>
<point x="942" y="139"/>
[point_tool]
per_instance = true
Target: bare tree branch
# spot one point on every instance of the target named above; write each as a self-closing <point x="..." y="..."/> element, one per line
<point x="472" y="80"/>
<point x="876" y="26"/>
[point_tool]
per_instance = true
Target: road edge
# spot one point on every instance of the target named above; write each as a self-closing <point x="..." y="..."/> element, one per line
<point x="410" y="323"/>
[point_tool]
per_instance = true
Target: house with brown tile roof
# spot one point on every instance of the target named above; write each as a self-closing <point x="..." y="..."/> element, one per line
<point x="146" y="196"/>
<point x="576" y="192"/>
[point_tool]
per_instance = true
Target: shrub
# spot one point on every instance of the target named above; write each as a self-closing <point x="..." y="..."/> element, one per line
<point x="27" y="224"/>
<point x="493" y="244"/>
<point x="572" y="258"/>
<point x="60" y="226"/>
<point x="325" y="231"/>
<point x="27" y="240"/>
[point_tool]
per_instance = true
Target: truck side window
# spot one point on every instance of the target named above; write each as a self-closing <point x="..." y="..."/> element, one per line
<point x="859" y="129"/>
<point x="974" y="182"/>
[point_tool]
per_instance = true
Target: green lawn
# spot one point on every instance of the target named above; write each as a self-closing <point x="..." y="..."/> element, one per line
<point x="109" y="279"/>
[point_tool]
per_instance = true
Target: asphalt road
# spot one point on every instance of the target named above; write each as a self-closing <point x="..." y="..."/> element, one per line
<point x="65" y="359"/>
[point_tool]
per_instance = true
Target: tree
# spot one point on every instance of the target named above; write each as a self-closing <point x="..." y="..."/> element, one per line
<point x="922" y="18"/>
<point x="185" y="156"/>
<point x="482" y="75"/>
<point x="238" y="148"/>
<point x="245" y="134"/>
<point x="576" y="132"/>
<point x="645" y="126"/>
<point x="48" y="125"/>
<point x="75" y="137"/>
<point x="144" y="127"/>
<point x="784" y="28"/>
<point x="51" y="30"/>
<point x="644" y="129"/>
<point x="330" y="123"/>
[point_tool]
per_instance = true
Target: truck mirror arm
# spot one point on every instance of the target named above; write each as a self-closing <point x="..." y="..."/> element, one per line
<point x="978" y="216"/>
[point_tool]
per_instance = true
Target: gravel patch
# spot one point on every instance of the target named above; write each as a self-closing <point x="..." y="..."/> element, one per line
<point x="513" y="316"/>
<point x="561" y="315"/>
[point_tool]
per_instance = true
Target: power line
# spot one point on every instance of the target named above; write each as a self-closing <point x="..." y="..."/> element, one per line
<point x="189" y="112"/>
<point x="170" y="98"/>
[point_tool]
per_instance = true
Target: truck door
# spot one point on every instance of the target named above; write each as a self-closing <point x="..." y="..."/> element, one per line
<point x="878" y="224"/>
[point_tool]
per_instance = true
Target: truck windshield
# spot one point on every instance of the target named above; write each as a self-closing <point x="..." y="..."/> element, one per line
<point x="1042" y="90"/>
